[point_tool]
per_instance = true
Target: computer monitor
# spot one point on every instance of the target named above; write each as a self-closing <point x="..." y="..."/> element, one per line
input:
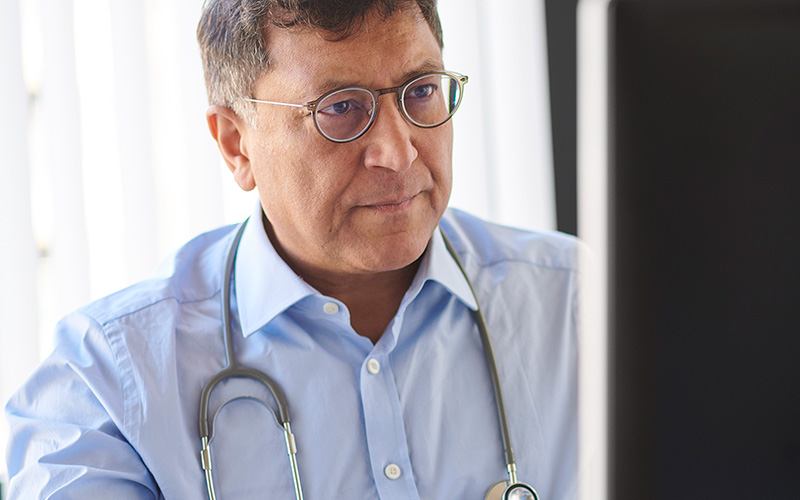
<point x="689" y="181"/>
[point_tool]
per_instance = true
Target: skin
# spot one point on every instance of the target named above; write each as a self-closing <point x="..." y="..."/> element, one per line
<point x="351" y="219"/>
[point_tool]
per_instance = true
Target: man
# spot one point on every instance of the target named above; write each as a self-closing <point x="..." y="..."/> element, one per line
<point x="343" y="293"/>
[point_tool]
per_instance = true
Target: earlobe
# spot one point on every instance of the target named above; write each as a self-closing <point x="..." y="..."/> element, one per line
<point x="228" y="129"/>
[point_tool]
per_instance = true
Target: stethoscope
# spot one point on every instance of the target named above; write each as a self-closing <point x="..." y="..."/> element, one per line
<point x="502" y="490"/>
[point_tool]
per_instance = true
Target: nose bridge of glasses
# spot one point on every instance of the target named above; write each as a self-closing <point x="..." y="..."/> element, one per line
<point x="398" y="99"/>
<point x="391" y="90"/>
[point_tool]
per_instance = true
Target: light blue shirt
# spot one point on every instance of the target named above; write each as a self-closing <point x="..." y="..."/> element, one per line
<point x="113" y="412"/>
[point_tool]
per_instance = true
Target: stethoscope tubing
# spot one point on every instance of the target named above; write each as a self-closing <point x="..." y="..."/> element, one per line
<point x="234" y="370"/>
<point x="491" y="362"/>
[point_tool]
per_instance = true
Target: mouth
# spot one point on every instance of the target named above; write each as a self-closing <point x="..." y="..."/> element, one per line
<point x="392" y="205"/>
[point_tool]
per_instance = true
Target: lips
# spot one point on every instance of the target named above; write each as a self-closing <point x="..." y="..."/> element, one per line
<point x="392" y="204"/>
<point x="388" y="198"/>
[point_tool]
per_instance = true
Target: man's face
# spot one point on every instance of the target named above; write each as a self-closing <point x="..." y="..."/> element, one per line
<point x="356" y="208"/>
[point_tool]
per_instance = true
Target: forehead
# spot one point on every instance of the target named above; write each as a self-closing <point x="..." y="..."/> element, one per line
<point x="381" y="52"/>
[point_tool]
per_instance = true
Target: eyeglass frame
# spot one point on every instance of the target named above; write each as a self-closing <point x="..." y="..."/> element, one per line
<point x="312" y="106"/>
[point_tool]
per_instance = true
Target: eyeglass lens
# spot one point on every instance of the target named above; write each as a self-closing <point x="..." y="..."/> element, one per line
<point x="427" y="102"/>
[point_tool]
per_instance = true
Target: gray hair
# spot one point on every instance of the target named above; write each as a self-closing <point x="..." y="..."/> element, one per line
<point x="233" y="45"/>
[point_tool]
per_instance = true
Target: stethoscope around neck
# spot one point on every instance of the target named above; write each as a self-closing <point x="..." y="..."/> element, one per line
<point x="509" y="489"/>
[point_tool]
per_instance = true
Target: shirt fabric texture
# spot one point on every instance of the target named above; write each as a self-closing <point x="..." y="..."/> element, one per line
<point x="113" y="411"/>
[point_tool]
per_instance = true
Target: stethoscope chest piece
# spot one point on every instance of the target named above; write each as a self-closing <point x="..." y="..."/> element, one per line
<point x="519" y="491"/>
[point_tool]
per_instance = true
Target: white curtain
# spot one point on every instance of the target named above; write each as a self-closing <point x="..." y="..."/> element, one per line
<point x="108" y="166"/>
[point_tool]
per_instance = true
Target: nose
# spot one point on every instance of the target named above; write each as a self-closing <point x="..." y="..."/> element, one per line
<point x="389" y="141"/>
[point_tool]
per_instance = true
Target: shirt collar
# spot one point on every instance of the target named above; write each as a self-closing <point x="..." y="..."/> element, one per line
<point x="438" y="265"/>
<point x="266" y="286"/>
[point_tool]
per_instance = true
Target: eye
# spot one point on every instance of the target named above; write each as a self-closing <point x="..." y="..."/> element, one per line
<point x="421" y="91"/>
<point x="340" y="107"/>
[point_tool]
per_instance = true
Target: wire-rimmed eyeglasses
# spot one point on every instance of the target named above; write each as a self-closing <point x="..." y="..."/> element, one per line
<point x="345" y="114"/>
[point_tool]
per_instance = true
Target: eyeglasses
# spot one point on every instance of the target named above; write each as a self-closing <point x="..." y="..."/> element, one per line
<point x="344" y="115"/>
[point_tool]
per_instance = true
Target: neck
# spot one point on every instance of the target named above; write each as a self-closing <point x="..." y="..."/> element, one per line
<point x="373" y="300"/>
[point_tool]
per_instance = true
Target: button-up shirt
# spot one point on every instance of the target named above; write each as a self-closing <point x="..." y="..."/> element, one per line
<point x="113" y="411"/>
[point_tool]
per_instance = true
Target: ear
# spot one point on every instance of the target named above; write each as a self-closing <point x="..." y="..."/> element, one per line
<point x="229" y="130"/>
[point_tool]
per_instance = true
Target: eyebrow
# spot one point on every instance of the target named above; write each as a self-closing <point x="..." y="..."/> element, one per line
<point x="425" y="66"/>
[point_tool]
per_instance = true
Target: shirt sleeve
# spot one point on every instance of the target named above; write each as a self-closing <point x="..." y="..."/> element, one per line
<point x="67" y="422"/>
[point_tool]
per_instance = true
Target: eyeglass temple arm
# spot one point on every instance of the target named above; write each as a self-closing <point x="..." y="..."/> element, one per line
<point x="275" y="102"/>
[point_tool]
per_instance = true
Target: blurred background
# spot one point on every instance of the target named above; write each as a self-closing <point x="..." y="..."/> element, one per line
<point x="108" y="165"/>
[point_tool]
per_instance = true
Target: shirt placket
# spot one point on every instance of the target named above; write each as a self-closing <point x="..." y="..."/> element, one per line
<point x="386" y="435"/>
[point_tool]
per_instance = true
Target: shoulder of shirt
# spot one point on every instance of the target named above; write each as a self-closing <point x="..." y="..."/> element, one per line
<point x="191" y="274"/>
<point x="485" y="243"/>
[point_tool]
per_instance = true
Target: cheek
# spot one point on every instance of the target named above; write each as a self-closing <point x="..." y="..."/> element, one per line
<point x="298" y="189"/>
<point x="298" y="174"/>
<point x="437" y="153"/>
<point x="281" y="158"/>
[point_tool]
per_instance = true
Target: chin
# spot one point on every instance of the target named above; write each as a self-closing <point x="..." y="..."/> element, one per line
<point x="395" y="253"/>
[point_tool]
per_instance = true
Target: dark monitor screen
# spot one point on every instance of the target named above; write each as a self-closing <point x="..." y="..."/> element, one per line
<point x="703" y="248"/>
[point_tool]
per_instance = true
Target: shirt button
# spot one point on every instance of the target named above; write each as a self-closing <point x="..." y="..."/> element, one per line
<point x="331" y="308"/>
<point x="392" y="471"/>
<point x="373" y="366"/>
